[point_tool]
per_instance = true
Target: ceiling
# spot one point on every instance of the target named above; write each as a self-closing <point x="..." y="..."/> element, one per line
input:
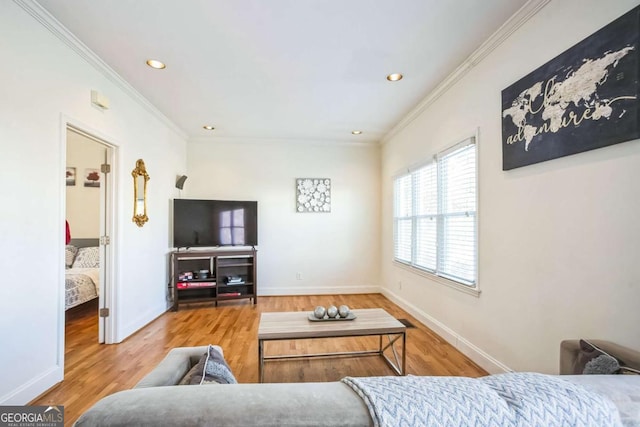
<point x="284" y="69"/>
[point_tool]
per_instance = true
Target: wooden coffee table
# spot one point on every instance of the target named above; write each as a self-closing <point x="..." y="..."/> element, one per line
<point x="296" y="326"/>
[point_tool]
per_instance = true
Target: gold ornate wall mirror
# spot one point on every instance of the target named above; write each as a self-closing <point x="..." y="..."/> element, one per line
<point x="140" y="178"/>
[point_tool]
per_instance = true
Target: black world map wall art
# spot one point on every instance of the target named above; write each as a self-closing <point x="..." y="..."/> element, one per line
<point x="585" y="98"/>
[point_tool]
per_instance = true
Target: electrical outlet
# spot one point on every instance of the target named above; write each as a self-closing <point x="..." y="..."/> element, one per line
<point x="298" y="276"/>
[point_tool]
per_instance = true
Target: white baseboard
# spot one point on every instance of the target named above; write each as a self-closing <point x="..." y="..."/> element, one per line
<point x="481" y="358"/>
<point x="298" y="290"/>
<point x="138" y="323"/>
<point x="35" y="387"/>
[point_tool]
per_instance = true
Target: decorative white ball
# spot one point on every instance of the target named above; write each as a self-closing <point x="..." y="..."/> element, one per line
<point x="332" y="311"/>
<point x="343" y="310"/>
<point x="319" y="312"/>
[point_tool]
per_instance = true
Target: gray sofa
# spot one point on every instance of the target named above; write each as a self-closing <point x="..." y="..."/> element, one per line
<point x="570" y="349"/>
<point x="157" y="400"/>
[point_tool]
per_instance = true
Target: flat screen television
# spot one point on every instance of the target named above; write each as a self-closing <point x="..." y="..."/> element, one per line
<point x="204" y="223"/>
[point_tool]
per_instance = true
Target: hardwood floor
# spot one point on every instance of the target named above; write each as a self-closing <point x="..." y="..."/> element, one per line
<point x="93" y="371"/>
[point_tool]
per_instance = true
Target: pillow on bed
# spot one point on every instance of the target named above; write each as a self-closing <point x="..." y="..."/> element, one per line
<point x="211" y="369"/>
<point x="87" y="258"/>
<point x="70" y="253"/>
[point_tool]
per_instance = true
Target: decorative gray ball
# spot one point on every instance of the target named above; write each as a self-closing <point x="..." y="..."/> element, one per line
<point x="332" y="311"/>
<point x="319" y="312"/>
<point x="343" y="310"/>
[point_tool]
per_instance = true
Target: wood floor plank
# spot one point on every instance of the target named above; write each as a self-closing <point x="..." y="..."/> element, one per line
<point x="93" y="371"/>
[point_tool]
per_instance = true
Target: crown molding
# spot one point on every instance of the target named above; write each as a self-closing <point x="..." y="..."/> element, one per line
<point x="518" y="19"/>
<point x="48" y="21"/>
<point x="280" y="141"/>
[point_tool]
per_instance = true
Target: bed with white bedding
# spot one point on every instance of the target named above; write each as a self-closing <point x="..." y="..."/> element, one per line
<point x="82" y="272"/>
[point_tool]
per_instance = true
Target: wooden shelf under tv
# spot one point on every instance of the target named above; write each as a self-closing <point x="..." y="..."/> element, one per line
<point x="221" y="263"/>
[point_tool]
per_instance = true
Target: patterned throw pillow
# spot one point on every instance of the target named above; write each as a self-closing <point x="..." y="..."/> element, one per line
<point x="87" y="258"/>
<point x="70" y="253"/>
<point x="211" y="369"/>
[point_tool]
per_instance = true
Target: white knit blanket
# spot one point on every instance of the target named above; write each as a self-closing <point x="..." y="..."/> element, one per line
<point x="505" y="400"/>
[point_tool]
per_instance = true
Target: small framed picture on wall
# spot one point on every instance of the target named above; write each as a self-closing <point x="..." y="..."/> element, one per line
<point x="71" y="176"/>
<point x="92" y="178"/>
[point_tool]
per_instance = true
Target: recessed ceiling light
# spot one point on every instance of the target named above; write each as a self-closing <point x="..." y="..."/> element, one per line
<point x="356" y="132"/>
<point x="208" y="127"/>
<point x="154" y="63"/>
<point x="394" y="77"/>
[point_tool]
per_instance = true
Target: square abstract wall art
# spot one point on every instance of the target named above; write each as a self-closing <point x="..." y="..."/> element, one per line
<point x="313" y="195"/>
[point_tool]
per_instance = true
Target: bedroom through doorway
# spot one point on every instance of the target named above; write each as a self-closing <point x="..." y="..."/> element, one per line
<point x="87" y="214"/>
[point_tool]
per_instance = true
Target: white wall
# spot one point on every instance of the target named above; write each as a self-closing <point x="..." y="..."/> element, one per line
<point x="83" y="203"/>
<point x="558" y="241"/>
<point x="43" y="81"/>
<point x="334" y="252"/>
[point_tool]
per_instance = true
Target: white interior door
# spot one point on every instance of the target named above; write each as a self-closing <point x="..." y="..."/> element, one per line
<point x="105" y="229"/>
<point x="104" y="244"/>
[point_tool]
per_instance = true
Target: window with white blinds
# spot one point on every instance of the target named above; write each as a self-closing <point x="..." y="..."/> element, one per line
<point x="435" y="215"/>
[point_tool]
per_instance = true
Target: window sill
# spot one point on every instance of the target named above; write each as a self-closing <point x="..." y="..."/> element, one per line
<point x="474" y="291"/>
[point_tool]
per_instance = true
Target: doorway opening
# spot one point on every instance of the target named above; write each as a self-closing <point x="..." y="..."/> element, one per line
<point x="89" y="250"/>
